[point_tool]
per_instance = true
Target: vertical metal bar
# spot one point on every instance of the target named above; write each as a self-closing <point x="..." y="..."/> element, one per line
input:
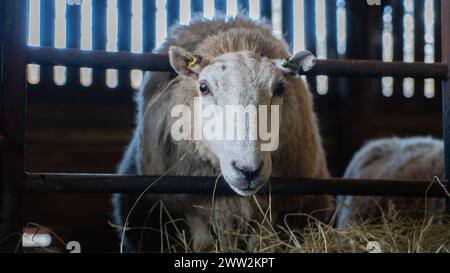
<point x="124" y="43"/>
<point x="220" y="6"/>
<point x="173" y="12"/>
<point x="14" y="119"/>
<point x="266" y="9"/>
<point x="73" y="30"/>
<point x="197" y="6"/>
<point x="445" y="28"/>
<point x="99" y="39"/>
<point x="287" y="9"/>
<point x="149" y="24"/>
<point x="47" y="37"/>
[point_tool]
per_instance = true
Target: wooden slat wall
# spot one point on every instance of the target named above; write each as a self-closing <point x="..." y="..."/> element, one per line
<point x="73" y="41"/>
<point x="124" y="7"/>
<point x="334" y="101"/>
<point x="197" y="6"/>
<point x="266" y="9"/>
<point x="99" y="38"/>
<point x="149" y="25"/>
<point x="397" y="21"/>
<point x="419" y="43"/>
<point x="243" y="6"/>
<point x="173" y="12"/>
<point x="310" y="35"/>
<point x="220" y="6"/>
<point x="47" y="35"/>
<point x="438" y="41"/>
<point x="287" y="10"/>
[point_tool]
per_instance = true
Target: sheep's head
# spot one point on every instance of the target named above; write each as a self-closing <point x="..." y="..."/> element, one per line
<point x="240" y="81"/>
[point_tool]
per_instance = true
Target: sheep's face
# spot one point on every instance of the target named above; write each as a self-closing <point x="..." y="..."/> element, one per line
<point x="240" y="96"/>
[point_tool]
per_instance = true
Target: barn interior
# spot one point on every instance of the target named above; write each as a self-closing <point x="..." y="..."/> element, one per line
<point x="80" y="120"/>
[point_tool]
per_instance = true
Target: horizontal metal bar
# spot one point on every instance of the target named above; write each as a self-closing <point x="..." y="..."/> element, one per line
<point x="376" y="69"/>
<point x="105" y="183"/>
<point x="98" y="59"/>
<point x="158" y="62"/>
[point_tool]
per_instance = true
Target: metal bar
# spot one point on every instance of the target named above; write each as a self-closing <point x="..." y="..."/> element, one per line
<point x="369" y="68"/>
<point x="103" y="183"/>
<point x="99" y="59"/>
<point x="156" y="62"/>
<point x="13" y="83"/>
<point x="445" y="27"/>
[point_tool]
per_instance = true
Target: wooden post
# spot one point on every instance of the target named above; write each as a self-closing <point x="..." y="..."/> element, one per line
<point x="13" y="89"/>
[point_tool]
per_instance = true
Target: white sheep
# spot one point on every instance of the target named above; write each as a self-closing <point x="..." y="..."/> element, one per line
<point x="225" y="62"/>
<point x="418" y="158"/>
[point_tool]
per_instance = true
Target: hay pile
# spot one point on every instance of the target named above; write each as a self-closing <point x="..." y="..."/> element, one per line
<point x="387" y="234"/>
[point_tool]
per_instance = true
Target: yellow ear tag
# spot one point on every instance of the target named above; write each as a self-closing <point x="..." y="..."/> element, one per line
<point x="285" y="63"/>
<point x="194" y="61"/>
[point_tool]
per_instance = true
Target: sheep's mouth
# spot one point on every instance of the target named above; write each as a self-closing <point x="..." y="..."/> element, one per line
<point x="246" y="192"/>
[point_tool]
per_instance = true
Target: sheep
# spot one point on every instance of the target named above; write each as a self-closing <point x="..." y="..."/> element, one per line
<point x="223" y="61"/>
<point x="417" y="158"/>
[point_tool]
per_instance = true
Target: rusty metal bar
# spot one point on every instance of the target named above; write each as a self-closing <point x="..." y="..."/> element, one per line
<point x="445" y="28"/>
<point x="98" y="59"/>
<point x="104" y="183"/>
<point x="368" y="68"/>
<point x="156" y="62"/>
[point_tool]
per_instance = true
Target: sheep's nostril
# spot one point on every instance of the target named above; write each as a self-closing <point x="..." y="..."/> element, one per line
<point x="249" y="172"/>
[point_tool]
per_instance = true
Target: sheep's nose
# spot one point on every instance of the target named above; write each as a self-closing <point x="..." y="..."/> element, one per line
<point x="250" y="173"/>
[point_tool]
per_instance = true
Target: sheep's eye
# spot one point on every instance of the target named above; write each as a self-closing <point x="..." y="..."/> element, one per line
<point x="280" y="89"/>
<point x="204" y="88"/>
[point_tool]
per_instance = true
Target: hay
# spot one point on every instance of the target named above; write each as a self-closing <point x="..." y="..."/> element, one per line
<point x="388" y="234"/>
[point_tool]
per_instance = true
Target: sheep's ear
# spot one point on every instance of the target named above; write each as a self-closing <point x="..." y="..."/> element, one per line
<point x="300" y="61"/>
<point x="185" y="62"/>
